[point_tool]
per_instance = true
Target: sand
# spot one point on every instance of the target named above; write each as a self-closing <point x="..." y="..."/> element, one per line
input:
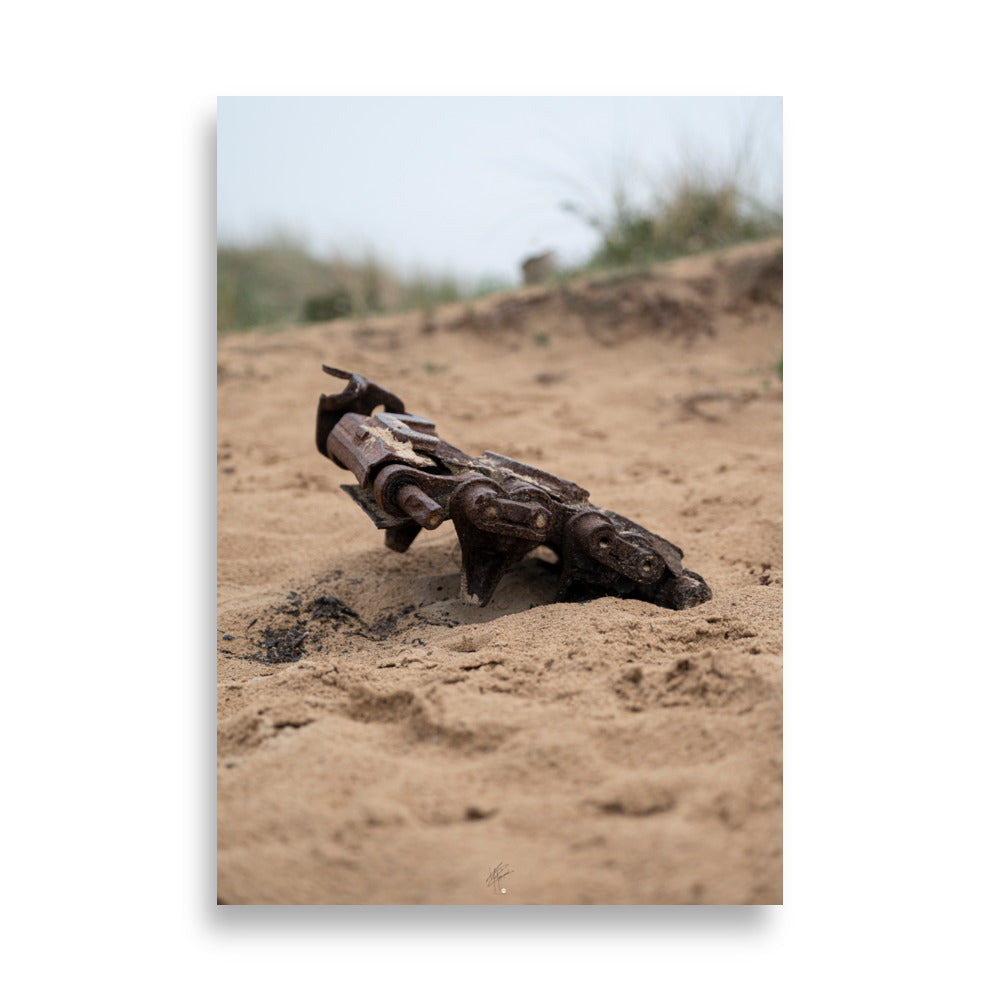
<point x="381" y="742"/>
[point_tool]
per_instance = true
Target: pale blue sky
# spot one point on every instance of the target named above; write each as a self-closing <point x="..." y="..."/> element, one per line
<point x="467" y="185"/>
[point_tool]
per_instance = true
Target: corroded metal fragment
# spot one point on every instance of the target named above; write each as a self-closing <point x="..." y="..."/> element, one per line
<point x="409" y="479"/>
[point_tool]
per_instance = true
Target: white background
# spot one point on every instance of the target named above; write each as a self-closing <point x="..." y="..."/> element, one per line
<point x="890" y="339"/>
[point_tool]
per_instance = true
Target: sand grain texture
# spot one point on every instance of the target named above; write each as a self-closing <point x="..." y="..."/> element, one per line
<point x="381" y="742"/>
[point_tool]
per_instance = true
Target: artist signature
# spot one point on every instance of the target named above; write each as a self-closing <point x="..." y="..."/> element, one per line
<point x="501" y="871"/>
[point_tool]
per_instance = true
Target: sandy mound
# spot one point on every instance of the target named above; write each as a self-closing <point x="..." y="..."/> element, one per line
<point x="379" y="741"/>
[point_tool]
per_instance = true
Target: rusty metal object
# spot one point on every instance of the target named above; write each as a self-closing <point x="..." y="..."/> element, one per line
<point x="410" y="479"/>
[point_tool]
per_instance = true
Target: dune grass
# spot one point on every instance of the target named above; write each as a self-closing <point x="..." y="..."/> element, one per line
<point x="697" y="212"/>
<point x="279" y="282"/>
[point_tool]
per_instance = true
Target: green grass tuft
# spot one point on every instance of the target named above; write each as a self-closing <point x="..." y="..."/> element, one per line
<point x="697" y="213"/>
<point x="279" y="282"/>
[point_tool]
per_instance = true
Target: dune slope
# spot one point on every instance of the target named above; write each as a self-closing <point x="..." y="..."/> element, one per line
<point x="381" y="742"/>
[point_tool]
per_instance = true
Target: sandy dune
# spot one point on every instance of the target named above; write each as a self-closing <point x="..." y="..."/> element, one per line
<point x="381" y="742"/>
